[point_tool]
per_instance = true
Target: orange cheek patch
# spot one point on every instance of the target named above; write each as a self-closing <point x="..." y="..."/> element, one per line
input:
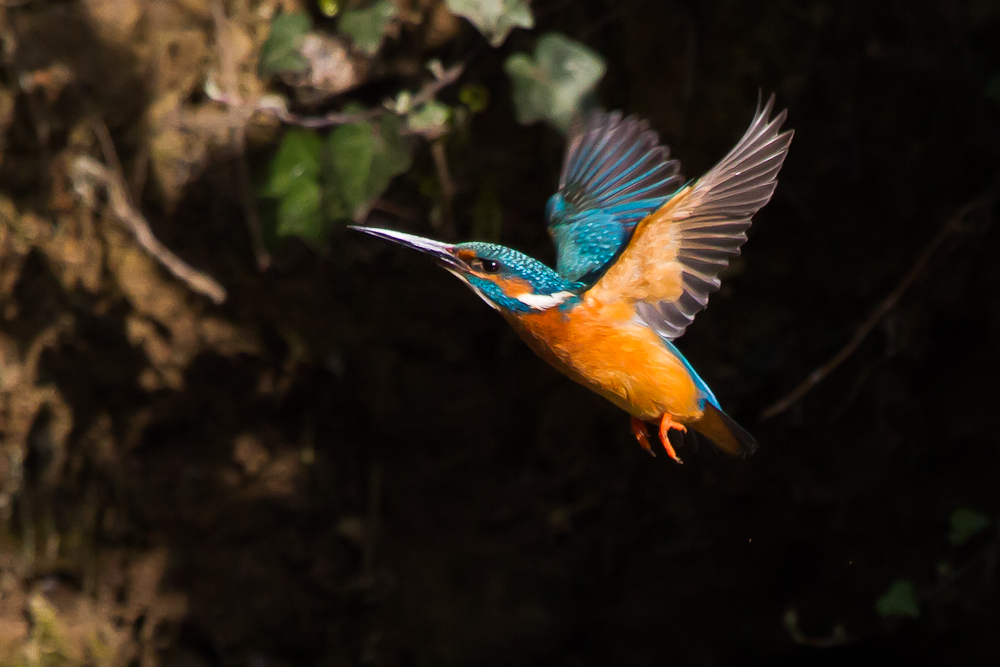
<point x="512" y="286"/>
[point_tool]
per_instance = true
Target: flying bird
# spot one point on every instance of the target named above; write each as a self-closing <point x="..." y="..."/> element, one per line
<point x="639" y="251"/>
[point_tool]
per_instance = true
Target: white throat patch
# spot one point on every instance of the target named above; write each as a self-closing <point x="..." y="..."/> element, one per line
<point x="543" y="301"/>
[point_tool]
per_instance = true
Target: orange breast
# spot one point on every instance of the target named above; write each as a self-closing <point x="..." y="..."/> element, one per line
<point x="603" y="347"/>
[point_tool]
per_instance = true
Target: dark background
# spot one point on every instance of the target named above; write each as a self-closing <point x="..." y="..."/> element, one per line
<point x="384" y="474"/>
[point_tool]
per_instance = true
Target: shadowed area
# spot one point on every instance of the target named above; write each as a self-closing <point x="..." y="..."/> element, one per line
<point x="354" y="461"/>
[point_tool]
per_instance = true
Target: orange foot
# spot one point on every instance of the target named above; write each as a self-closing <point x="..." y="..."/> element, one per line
<point x="642" y="435"/>
<point x="666" y="423"/>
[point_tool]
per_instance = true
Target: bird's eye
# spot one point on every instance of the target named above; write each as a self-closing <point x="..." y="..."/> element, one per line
<point x="489" y="265"/>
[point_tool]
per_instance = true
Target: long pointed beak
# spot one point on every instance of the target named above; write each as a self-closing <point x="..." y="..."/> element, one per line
<point x="444" y="253"/>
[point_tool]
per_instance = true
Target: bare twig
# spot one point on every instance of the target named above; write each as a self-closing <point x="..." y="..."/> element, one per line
<point x="838" y="637"/>
<point x="273" y="107"/>
<point x="986" y="556"/>
<point x="447" y="187"/>
<point x="395" y="209"/>
<point x="329" y="120"/>
<point x="853" y="394"/>
<point x="249" y="203"/>
<point x="87" y="171"/>
<point x="950" y="226"/>
<point x="432" y="88"/>
<point x="107" y="145"/>
<point x="239" y="116"/>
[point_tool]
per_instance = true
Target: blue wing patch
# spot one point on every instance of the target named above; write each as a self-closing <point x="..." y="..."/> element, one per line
<point x="615" y="173"/>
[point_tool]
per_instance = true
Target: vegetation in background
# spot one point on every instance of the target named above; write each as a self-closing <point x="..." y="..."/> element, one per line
<point x="345" y="459"/>
<point x="494" y="18"/>
<point x="552" y="84"/>
<point x="319" y="178"/>
<point x="966" y="523"/>
<point x="899" y="600"/>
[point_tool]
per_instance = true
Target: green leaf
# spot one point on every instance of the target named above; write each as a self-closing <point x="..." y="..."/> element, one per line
<point x="299" y="212"/>
<point x="430" y="119"/>
<point x="328" y="8"/>
<point x="362" y="159"/>
<point x="280" y="52"/>
<point x="965" y="524"/>
<point x="366" y="27"/>
<point x="394" y="149"/>
<point x="352" y="151"/>
<point x="297" y="157"/>
<point x="551" y="85"/>
<point x="899" y="601"/>
<point x="476" y="96"/>
<point x="494" y="18"/>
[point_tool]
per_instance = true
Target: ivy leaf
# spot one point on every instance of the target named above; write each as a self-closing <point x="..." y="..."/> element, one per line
<point x="899" y="601"/>
<point x="494" y="18"/>
<point x="366" y="27"/>
<point x="299" y="212"/>
<point x="551" y="85"/>
<point x="430" y="120"/>
<point x="363" y="158"/>
<point x="293" y="181"/>
<point x="965" y="524"/>
<point x="298" y="157"/>
<point x="280" y="53"/>
<point x="352" y="151"/>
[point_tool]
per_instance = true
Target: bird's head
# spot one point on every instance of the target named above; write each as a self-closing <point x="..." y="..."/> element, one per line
<point x="508" y="280"/>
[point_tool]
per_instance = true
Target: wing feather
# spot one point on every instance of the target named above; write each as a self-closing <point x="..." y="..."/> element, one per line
<point x="673" y="262"/>
<point x="615" y="173"/>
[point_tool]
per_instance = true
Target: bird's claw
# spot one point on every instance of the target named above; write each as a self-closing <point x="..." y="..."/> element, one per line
<point x="642" y="435"/>
<point x="666" y="423"/>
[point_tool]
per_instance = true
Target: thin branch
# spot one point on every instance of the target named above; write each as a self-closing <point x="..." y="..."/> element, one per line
<point x="447" y="187"/>
<point x="276" y="108"/>
<point x="395" y="209"/>
<point x="838" y="637"/>
<point x="951" y="226"/>
<point x="329" y="120"/>
<point x="249" y="203"/>
<point x="986" y="556"/>
<point x="432" y="88"/>
<point x="239" y="116"/>
<point x="88" y="171"/>
<point x="107" y="145"/>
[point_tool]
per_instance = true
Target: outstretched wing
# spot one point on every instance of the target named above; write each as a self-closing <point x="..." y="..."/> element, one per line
<point x="614" y="174"/>
<point x="673" y="262"/>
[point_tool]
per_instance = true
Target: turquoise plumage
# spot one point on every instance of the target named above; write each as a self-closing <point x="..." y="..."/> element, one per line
<point x="614" y="174"/>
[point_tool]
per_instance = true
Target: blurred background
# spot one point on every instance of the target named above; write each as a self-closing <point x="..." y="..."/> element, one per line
<point x="233" y="432"/>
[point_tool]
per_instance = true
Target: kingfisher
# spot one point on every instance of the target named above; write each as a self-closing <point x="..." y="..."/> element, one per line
<point x="638" y="253"/>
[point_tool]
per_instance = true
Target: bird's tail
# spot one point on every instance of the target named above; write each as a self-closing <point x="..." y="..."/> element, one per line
<point x="724" y="433"/>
